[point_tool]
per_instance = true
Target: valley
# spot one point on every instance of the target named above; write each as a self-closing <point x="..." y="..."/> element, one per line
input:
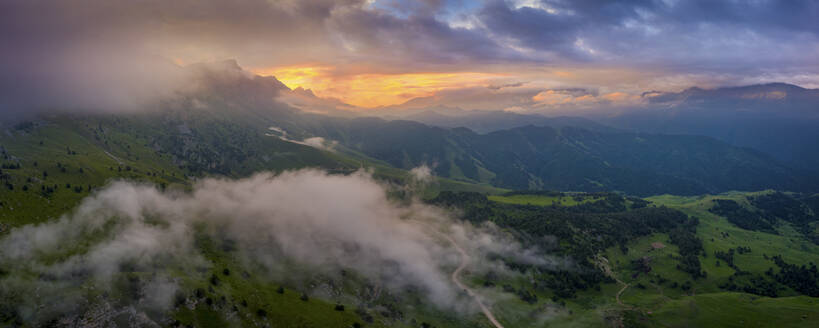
<point x="409" y="164"/>
<point x="610" y="259"/>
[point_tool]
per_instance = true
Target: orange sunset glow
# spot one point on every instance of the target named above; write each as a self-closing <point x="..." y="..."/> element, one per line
<point x="409" y="163"/>
<point x="374" y="89"/>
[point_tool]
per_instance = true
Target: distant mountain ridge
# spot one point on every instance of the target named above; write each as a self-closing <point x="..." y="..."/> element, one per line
<point x="777" y="118"/>
<point x="566" y="158"/>
<point x="489" y="121"/>
<point x="231" y="110"/>
<point x="780" y="99"/>
<point x="544" y="153"/>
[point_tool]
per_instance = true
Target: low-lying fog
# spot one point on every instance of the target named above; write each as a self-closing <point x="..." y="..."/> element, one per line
<point x="322" y="222"/>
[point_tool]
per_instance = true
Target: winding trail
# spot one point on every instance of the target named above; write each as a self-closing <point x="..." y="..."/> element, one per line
<point x="625" y="285"/>
<point x="465" y="259"/>
<point x="113" y="157"/>
<point x="603" y="263"/>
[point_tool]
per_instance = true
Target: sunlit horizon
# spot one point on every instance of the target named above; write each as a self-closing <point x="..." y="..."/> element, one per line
<point x="373" y="90"/>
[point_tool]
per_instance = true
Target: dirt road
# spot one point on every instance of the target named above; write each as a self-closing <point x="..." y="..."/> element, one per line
<point x="603" y="263"/>
<point x="456" y="278"/>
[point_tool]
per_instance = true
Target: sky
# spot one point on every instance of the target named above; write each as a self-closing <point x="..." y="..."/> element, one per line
<point x="515" y="55"/>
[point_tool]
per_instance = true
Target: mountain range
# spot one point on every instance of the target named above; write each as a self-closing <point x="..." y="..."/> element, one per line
<point x="779" y="119"/>
<point x="193" y="171"/>
<point x="681" y="149"/>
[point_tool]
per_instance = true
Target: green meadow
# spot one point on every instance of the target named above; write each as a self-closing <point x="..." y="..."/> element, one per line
<point x="543" y="200"/>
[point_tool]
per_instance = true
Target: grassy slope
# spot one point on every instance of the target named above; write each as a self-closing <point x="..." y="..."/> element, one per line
<point x="127" y="148"/>
<point x="737" y="310"/>
<point x="40" y="150"/>
<point x="247" y="294"/>
<point x="788" y="243"/>
<point x="660" y="304"/>
<point x="589" y="309"/>
<point x="540" y="200"/>
<point x="122" y="151"/>
<point x="705" y="304"/>
<point x="243" y="289"/>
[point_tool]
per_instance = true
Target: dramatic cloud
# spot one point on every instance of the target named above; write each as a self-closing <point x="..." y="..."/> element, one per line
<point x="305" y="217"/>
<point x="102" y="54"/>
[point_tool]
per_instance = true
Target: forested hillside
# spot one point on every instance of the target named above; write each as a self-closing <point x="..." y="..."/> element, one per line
<point x="567" y="158"/>
<point x="665" y="255"/>
<point x="603" y="252"/>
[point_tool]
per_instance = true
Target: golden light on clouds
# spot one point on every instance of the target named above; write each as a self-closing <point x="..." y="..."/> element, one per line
<point x="618" y="96"/>
<point x="556" y="98"/>
<point x="552" y="97"/>
<point x="371" y="89"/>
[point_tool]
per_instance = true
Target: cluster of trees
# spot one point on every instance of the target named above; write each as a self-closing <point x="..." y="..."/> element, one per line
<point x="6" y="177"/>
<point x="5" y="154"/>
<point x="728" y="256"/>
<point x="522" y="293"/>
<point x="638" y="202"/>
<point x="11" y="166"/>
<point x="740" y="216"/>
<point x="586" y="228"/>
<point x="642" y="264"/>
<point x="611" y="202"/>
<point x="781" y="206"/>
<point x="743" y="249"/>
<point x="685" y="237"/>
<point x="784" y="207"/>
<point x="743" y="281"/>
<point x="802" y="278"/>
<point x="583" y="231"/>
<point x="565" y="284"/>
<point x="801" y="213"/>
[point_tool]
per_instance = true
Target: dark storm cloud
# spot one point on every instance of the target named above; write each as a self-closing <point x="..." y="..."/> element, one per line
<point x="531" y="27"/>
<point x="556" y="26"/>
<point x="676" y="35"/>
<point x="791" y="15"/>
<point x="416" y="40"/>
